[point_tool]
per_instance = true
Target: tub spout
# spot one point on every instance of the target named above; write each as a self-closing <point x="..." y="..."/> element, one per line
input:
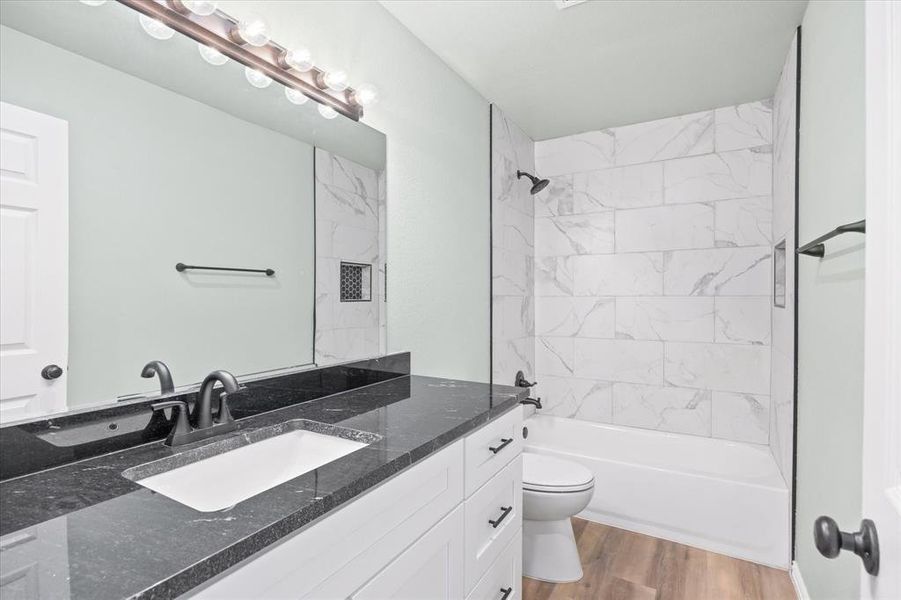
<point x="536" y="402"/>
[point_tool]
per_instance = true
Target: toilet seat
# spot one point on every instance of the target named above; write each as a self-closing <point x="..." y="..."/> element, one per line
<point x="553" y="475"/>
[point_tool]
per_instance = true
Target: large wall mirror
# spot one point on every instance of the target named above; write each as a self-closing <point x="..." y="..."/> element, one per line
<point x="124" y="155"/>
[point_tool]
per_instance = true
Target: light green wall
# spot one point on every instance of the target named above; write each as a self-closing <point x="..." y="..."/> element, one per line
<point x="437" y="173"/>
<point x="154" y="179"/>
<point x="831" y="290"/>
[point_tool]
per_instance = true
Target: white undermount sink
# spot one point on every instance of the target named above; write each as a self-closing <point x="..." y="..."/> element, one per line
<point x="223" y="480"/>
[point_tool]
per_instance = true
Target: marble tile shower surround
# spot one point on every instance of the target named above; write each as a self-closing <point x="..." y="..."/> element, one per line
<point x="350" y="227"/>
<point x="782" y="382"/>
<point x="513" y="251"/>
<point x="652" y="274"/>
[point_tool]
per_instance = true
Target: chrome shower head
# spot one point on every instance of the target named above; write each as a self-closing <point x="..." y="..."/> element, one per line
<point x="537" y="184"/>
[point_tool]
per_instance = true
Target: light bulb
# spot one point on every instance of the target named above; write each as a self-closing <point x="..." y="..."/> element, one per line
<point x="93" y="2"/>
<point x="300" y="59"/>
<point x="336" y="80"/>
<point x="327" y="111"/>
<point x="156" y="29"/>
<point x="254" y="30"/>
<point x="295" y="96"/>
<point x="211" y="55"/>
<point x="200" y="8"/>
<point x="366" y="94"/>
<point x="257" y="79"/>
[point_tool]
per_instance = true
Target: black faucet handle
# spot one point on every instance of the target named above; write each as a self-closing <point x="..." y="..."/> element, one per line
<point x="182" y="427"/>
<point x="522" y="382"/>
<point x="170" y="404"/>
<point x="224" y="415"/>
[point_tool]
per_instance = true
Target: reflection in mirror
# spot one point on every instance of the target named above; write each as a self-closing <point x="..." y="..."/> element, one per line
<point x="124" y="155"/>
<point x="350" y="265"/>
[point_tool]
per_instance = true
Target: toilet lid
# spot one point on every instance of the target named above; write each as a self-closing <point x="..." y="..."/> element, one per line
<point x="542" y="473"/>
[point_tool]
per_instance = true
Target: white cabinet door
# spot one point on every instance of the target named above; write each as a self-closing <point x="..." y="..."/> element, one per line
<point x="430" y="569"/>
<point x="34" y="237"/>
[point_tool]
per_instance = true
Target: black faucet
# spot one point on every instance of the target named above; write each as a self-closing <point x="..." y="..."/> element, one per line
<point x="522" y="382"/>
<point x="204" y="424"/>
<point x="158" y="367"/>
<point x="536" y="402"/>
<point x="203" y="412"/>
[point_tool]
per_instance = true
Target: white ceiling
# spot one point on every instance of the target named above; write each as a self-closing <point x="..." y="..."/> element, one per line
<point x="605" y="63"/>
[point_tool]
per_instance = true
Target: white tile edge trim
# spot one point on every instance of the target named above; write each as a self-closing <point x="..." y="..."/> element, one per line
<point x="798" y="582"/>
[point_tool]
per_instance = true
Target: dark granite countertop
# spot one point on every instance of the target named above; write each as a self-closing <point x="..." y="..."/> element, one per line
<point x="83" y="530"/>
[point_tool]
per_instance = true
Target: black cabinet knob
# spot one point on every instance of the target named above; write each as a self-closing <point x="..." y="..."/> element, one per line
<point x="830" y="541"/>
<point x="51" y="372"/>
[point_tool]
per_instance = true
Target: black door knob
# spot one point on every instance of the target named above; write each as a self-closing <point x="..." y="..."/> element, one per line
<point x="51" y="372"/>
<point x="830" y="540"/>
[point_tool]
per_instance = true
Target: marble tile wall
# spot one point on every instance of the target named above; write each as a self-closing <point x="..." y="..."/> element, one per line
<point x="513" y="251"/>
<point x="782" y="376"/>
<point x="350" y="227"/>
<point x="652" y="274"/>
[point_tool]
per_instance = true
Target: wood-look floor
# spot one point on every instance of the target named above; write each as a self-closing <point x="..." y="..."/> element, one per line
<point x="621" y="565"/>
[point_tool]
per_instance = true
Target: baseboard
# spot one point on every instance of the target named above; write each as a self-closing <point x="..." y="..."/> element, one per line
<point x="798" y="582"/>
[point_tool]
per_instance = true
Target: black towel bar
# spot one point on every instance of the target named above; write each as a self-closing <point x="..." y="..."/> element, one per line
<point x="180" y="267"/>
<point x="817" y="248"/>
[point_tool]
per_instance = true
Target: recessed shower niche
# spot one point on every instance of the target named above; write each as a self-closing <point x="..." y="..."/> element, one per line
<point x="356" y="282"/>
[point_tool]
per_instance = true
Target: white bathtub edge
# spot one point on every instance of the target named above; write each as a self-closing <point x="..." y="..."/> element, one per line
<point x="798" y="582"/>
<point x="730" y="507"/>
<point x="669" y="535"/>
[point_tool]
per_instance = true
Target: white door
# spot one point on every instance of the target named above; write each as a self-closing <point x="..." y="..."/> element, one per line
<point x="430" y="569"/>
<point x="34" y="240"/>
<point x="882" y="394"/>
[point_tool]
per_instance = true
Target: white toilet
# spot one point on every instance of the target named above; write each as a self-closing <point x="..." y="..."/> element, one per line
<point x="553" y="491"/>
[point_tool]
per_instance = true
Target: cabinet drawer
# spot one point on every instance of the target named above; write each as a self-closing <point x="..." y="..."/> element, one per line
<point x="488" y="451"/>
<point x="504" y="578"/>
<point x="493" y="518"/>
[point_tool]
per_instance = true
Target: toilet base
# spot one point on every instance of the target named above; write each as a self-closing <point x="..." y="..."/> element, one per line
<point x="549" y="551"/>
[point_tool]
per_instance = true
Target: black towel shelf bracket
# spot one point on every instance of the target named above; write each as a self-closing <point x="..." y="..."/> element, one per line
<point x="818" y="248"/>
<point x="181" y="267"/>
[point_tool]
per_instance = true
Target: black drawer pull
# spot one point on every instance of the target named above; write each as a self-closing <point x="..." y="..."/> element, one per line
<point x="506" y="593"/>
<point x="504" y="443"/>
<point x="507" y="510"/>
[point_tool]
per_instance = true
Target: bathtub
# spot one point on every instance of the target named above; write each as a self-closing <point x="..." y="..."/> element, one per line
<point x="726" y="497"/>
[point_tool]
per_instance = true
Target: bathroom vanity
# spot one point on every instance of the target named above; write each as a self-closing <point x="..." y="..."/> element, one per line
<point x="430" y="506"/>
<point x="447" y="527"/>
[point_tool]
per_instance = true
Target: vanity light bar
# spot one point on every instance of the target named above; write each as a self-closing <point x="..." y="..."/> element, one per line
<point x="217" y="30"/>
